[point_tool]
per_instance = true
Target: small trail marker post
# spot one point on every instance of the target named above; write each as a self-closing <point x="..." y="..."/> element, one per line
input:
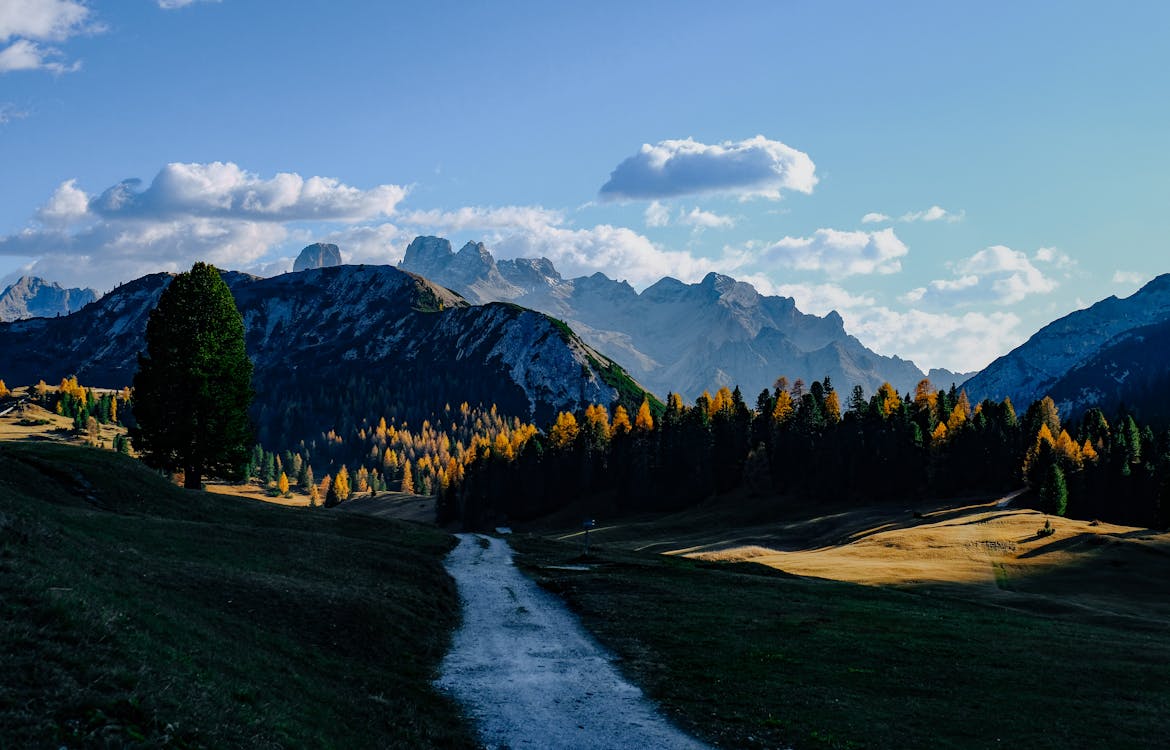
<point x="588" y="524"/>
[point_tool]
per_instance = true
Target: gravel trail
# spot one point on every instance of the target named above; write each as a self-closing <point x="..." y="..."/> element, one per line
<point x="527" y="673"/>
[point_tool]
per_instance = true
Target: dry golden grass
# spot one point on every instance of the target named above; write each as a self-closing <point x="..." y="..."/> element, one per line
<point x="978" y="550"/>
<point x="59" y="429"/>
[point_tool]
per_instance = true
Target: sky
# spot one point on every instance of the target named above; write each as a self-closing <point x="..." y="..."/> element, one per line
<point x="949" y="177"/>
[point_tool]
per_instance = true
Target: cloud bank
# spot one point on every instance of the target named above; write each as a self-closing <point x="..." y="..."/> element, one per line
<point x="756" y="167"/>
<point x="839" y="253"/>
<point x="216" y="212"/>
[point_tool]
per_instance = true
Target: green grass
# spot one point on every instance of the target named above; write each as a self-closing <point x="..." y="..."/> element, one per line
<point x="745" y="656"/>
<point x="134" y="613"/>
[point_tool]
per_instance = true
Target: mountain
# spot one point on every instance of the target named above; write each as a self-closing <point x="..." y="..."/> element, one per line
<point x="344" y="343"/>
<point x="32" y="297"/>
<point x="1033" y="369"/>
<point x="675" y="336"/>
<point x="1132" y="370"/>
<point x="318" y="255"/>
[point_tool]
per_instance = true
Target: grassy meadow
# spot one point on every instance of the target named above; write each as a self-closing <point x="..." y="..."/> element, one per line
<point x="135" y="613"/>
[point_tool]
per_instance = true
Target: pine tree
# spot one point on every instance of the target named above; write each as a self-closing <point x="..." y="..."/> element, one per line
<point x="1054" y="491"/>
<point x="194" y="382"/>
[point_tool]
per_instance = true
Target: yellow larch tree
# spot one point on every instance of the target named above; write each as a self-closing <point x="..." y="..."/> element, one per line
<point x="783" y="409"/>
<point x="564" y="431"/>
<point x="832" y="407"/>
<point x="363" y="480"/>
<point x="407" y="478"/>
<point x="960" y="414"/>
<point x="888" y="400"/>
<point x="4" y="392"/>
<point x="341" y="483"/>
<point x="621" y="421"/>
<point x="282" y="484"/>
<point x="644" y="420"/>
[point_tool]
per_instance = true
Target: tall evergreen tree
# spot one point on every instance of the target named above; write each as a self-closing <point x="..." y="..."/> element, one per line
<point x="194" y="382"/>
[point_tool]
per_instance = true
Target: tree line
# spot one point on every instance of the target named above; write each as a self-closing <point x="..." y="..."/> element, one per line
<point x="803" y="445"/>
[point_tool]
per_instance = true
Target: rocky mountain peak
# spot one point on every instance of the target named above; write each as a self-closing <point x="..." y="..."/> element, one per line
<point x="318" y="255"/>
<point x="427" y="255"/>
<point x="34" y="297"/>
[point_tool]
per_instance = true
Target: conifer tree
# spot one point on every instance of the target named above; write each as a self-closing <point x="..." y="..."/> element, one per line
<point x="407" y="478"/>
<point x="194" y="382"/>
<point x="644" y="421"/>
<point x="282" y="484"/>
<point x="341" y="483"/>
<point x="4" y="392"/>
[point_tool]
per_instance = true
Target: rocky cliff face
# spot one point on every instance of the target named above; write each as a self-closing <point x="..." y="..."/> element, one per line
<point x="312" y="333"/>
<point x="1031" y="370"/>
<point x="318" y="255"/>
<point x="32" y="297"/>
<point x="674" y="336"/>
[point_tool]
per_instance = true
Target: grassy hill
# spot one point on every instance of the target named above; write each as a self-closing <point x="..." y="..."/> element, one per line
<point x="134" y="613"/>
<point x="1057" y="641"/>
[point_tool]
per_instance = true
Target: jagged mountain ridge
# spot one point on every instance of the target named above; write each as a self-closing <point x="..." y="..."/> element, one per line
<point x="1036" y="367"/>
<point x="311" y="333"/>
<point x="33" y="297"/>
<point x="675" y="336"/>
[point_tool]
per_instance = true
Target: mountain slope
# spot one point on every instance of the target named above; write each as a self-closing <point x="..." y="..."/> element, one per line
<point x="1033" y="369"/>
<point x="673" y="336"/>
<point x="32" y="297"/>
<point x="334" y="343"/>
<point x="1131" y="369"/>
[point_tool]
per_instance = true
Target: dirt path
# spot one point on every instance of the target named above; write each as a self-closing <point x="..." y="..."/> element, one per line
<point x="526" y="672"/>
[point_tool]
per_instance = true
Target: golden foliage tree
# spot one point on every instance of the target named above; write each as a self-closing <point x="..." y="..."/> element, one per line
<point x="564" y="431"/>
<point x="888" y="400"/>
<point x="621" y="421"/>
<point x="407" y="478"/>
<point x="282" y="484"/>
<point x="832" y="407"/>
<point x="783" y="409"/>
<point x="4" y="392"/>
<point x="644" y="421"/>
<point x="341" y="483"/>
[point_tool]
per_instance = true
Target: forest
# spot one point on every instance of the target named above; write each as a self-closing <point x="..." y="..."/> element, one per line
<point x="797" y="444"/>
<point x="803" y="446"/>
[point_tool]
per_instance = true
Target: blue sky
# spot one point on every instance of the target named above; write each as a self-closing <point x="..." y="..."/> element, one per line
<point x="1012" y="159"/>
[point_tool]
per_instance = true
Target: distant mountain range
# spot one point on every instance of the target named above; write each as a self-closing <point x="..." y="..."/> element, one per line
<point x="32" y="297"/>
<point x="1104" y="355"/>
<point x="673" y="336"/>
<point x="344" y="343"/>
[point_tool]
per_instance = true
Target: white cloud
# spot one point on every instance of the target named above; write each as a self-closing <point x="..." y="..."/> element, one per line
<point x="172" y="4"/>
<point x="874" y="217"/>
<point x="68" y="204"/>
<point x="223" y="189"/>
<point x="30" y="22"/>
<point x="700" y="219"/>
<point x="616" y="251"/>
<point x="995" y="274"/>
<point x="821" y="299"/>
<point x="962" y="343"/>
<point x="1129" y="277"/>
<point x="214" y="212"/>
<point x="756" y="167"/>
<point x="840" y="253"/>
<point x="10" y="112"/>
<point x="380" y="244"/>
<point x="26" y="55"/>
<point x="479" y="217"/>
<point x="657" y="215"/>
<point x="54" y="20"/>
<point x="934" y="213"/>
